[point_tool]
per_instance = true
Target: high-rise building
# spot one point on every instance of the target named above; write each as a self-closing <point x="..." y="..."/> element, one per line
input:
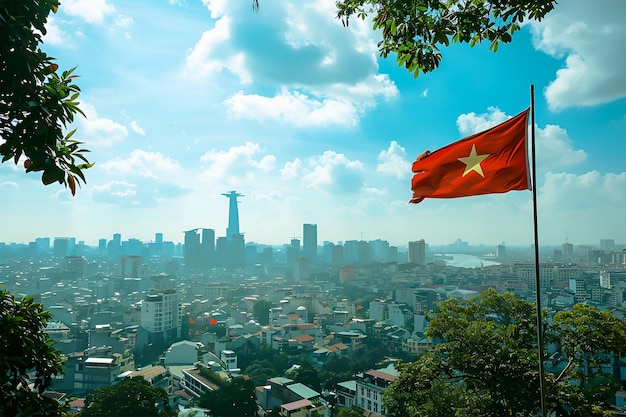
<point x="199" y="248"/>
<point x="61" y="247"/>
<point x="233" y="214"/>
<point x="501" y="251"/>
<point x="309" y="244"/>
<point x="568" y="251"/>
<point x="159" y="314"/>
<point x="607" y="245"/>
<point x="417" y="252"/>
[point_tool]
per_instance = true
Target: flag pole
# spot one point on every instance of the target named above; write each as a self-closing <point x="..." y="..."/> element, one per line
<point x="537" y="277"/>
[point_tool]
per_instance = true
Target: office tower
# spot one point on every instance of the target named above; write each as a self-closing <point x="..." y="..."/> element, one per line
<point x="393" y="254"/>
<point x="199" y="248"/>
<point x="417" y="252"/>
<point x="351" y="251"/>
<point x="114" y="247"/>
<point x="237" y="251"/>
<point x="293" y="251"/>
<point x="102" y="247"/>
<point x="379" y="250"/>
<point x="192" y="248"/>
<point x="501" y="251"/>
<point x="309" y="244"/>
<point x="61" y="247"/>
<point x="337" y="259"/>
<point x="568" y="251"/>
<point x="158" y="238"/>
<point x="267" y="257"/>
<point x="233" y="214"/>
<point x="207" y="248"/>
<point x="607" y="245"/>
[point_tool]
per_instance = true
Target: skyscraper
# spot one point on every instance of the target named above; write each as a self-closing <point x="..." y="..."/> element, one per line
<point x="309" y="244"/>
<point x="233" y="214"/>
<point x="417" y="252"/>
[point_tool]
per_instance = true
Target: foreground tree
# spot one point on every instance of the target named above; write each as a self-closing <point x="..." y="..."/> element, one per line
<point x="486" y="363"/>
<point x="131" y="397"/>
<point x="36" y="101"/>
<point x="416" y="30"/>
<point x="25" y="348"/>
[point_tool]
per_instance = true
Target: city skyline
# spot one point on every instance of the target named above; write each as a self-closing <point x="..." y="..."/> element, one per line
<point x="186" y="100"/>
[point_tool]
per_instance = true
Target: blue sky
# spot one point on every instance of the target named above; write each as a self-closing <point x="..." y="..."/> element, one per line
<point x="188" y="99"/>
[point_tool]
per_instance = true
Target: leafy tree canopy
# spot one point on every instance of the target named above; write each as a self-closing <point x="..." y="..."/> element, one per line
<point x="416" y="30"/>
<point x="130" y="397"/>
<point x="261" y="311"/>
<point x="36" y="101"/>
<point x="25" y="347"/>
<point x="486" y="362"/>
<point x="236" y="399"/>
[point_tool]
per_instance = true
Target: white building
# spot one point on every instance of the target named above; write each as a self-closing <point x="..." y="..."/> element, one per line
<point x="160" y="313"/>
<point x="370" y="386"/>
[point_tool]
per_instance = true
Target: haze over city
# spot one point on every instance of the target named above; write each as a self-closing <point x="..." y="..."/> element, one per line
<point x="186" y="100"/>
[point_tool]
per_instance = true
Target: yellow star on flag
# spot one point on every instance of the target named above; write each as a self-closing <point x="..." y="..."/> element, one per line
<point x="472" y="162"/>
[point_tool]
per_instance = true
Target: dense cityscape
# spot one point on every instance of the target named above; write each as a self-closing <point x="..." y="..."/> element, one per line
<point x="179" y="313"/>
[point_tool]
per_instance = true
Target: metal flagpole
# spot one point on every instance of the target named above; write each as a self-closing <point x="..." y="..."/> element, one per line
<point x="542" y="389"/>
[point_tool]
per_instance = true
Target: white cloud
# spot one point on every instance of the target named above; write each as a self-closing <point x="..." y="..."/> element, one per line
<point x="591" y="190"/>
<point x="591" y="37"/>
<point x="144" y="164"/>
<point x="237" y="164"/>
<point x="92" y="11"/>
<point x="554" y="148"/>
<point x="471" y="122"/>
<point x="98" y="130"/>
<point x="54" y="34"/>
<point x="116" y="192"/>
<point x="206" y="57"/>
<point x="9" y="184"/>
<point x="292" y="107"/>
<point x="292" y="169"/>
<point x="335" y="173"/>
<point x="590" y="204"/>
<point x="393" y="162"/>
<point x="327" y="71"/>
<point x="137" y="129"/>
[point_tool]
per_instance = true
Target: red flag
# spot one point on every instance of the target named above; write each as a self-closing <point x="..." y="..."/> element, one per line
<point x="191" y="320"/>
<point x="212" y="320"/>
<point x="491" y="161"/>
<point x="359" y="307"/>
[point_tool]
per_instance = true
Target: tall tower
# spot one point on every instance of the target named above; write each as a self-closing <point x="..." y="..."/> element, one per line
<point x="233" y="214"/>
<point x="417" y="252"/>
<point x="309" y="245"/>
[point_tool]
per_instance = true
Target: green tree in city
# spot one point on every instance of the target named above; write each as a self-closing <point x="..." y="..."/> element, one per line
<point x="261" y="310"/>
<point x="235" y="399"/>
<point x="485" y="362"/>
<point x="130" y="397"/>
<point x="306" y="374"/>
<point x="350" y="412"/>
<point x="417" y="30"/>
<point x="26" y="348"/>
<point x="37" y="102"/>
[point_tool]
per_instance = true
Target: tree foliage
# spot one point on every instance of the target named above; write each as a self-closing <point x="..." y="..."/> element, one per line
<point x="36" y="101"/>
<point x="485" y="362"/>
<point x="130" y="397"/>
<point x="417" y="30"/>
<point x="25" y="349"/>
<point x="235" y="399"/>
<point x="261" y="310"/>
